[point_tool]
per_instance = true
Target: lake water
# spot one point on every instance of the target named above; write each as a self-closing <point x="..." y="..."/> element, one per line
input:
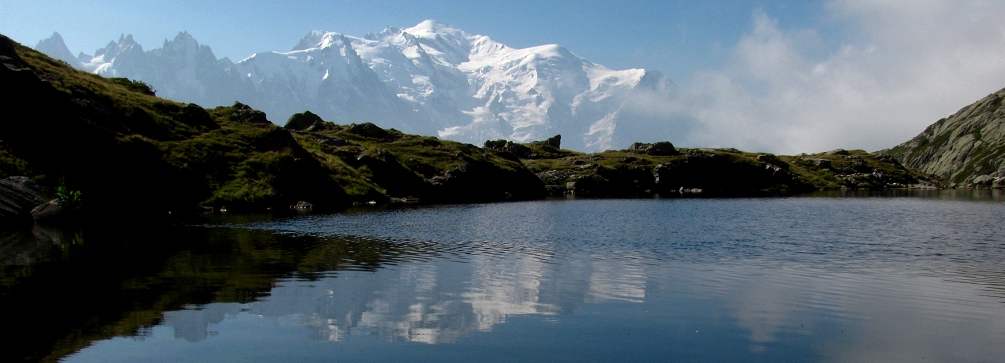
<point x="807" y="279"/>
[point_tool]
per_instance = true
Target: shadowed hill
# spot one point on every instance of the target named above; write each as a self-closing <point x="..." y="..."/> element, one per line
<point x="128" y="150"/>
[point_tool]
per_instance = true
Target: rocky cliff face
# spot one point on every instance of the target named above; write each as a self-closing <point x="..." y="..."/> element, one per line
<point x="967" y="148"/>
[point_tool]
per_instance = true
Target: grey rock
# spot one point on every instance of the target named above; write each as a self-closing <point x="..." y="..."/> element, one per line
<point x="662" y="148"/>
<point x="961" y="147"/>
<point x="245" y="114"/>
<point x="517" y="150"/>
<point x="332" y="141"/>
<point x="306" y="121"/>
<point x="370" y="130"/>
<point x="51" y="212"/>
<point x="553" y="143"/>
<point x="18" y="196"/>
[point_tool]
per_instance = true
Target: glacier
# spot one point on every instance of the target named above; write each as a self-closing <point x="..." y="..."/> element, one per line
<point x="431" y="79"/>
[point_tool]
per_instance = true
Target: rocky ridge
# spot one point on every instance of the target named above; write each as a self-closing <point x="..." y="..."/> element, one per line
<point x="967" y="149"/>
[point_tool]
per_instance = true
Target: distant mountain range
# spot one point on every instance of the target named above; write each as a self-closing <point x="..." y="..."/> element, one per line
<point x="430" y="79"/>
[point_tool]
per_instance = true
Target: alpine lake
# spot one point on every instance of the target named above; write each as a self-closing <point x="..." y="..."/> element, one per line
<point x="909" y="276"/>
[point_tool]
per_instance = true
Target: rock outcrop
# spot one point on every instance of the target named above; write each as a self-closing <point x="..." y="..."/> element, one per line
<point x="18" y="196"/>
<point x="967" y="148"/>
<point x="662" y="148"/>
<point x="305" y="121"/>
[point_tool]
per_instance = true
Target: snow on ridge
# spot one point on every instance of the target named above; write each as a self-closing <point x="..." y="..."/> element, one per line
<point x="431" y="78"/>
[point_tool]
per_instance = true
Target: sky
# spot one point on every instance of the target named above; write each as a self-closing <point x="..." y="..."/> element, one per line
<point x="778" y="76"/>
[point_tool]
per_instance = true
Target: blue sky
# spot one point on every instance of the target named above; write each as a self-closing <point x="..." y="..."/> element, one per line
<point x="779" y="76"/>
<point x="670" y="36"/>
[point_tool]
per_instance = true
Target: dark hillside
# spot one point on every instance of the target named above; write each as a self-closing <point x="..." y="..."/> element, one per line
<point x="128" y="150"/>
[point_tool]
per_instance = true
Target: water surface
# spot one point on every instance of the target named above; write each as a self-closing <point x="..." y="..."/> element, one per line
<point x="830" y="278"/>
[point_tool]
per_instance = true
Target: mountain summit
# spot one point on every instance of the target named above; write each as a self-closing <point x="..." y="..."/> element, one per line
<point x="55" y="47"/>
<point x="431" y="79"/>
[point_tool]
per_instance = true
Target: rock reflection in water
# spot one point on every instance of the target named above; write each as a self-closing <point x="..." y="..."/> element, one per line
<point x="433" y="302"/>
<point x="803" y="280"/>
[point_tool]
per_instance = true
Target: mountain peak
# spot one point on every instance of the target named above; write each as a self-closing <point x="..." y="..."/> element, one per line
<point x="182" y="36"/>
<point x="183" y="40"/>
<point x="55" y="37"/>
<point x="126" y="39"/>
<point x="319" y="39"/>
<point x="54" y="46"/>
<point x="311" y="40"/>
<point x="432" y="28"/>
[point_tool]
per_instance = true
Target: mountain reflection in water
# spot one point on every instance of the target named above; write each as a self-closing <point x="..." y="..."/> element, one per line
<point x="794" y="279"/>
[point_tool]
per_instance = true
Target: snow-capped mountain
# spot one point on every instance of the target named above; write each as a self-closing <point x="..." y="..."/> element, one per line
<point x="429" y="79"/>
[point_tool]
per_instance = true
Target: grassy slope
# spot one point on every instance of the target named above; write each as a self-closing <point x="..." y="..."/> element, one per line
<point x="122" y="146"/>
<point x="125" y="148"/>
<point x="393" y="164"/>
<point x="630" y="172"/>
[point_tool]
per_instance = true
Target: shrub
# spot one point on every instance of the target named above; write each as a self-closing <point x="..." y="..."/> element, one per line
<point x="71" y="199"/>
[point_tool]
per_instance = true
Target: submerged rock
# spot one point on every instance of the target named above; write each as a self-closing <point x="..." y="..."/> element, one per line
<point x="53" y="212"/>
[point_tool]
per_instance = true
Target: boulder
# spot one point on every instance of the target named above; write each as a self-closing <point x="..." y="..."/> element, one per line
<point x="50" y="213"/>
<point x="821" y="163"/>
<point x="662" y="148"/>
<point x="370" y="130"/>
<point x="517" y="150"/>
<point x="302" y="205"/>
<point x="306" y="121"/>
<point x="332" y="141"/>
<point x="983" y="181"/>
<point x="194" y="115"/>
<point x="773" y="160"/>
<point x="553" y="143"/>
<point x="245" y="114"/>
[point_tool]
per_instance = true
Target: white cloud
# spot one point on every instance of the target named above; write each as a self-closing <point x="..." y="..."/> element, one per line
<point x="902" y="65"/>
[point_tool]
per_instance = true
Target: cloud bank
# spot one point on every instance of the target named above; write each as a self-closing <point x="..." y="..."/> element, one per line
<point x="902" y="65"/>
